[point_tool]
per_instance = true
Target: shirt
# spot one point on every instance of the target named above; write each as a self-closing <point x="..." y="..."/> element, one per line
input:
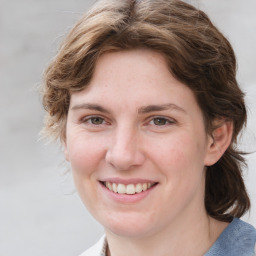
<point x="238" y="239"/>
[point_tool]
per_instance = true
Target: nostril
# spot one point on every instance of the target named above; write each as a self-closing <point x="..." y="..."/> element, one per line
<point x="120" y="159"/>
<point x="124" y="152"/>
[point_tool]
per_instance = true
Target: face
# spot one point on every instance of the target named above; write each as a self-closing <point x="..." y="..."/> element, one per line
<point x="137" y="145"/>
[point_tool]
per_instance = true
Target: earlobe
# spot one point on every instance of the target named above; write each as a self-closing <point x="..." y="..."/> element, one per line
<point x="219" y="141"/>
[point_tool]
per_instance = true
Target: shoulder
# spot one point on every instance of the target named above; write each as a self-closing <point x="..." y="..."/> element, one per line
<point x="99" y="249"/>
<point x="238" y="239"/>
<point x="240" y="232"/>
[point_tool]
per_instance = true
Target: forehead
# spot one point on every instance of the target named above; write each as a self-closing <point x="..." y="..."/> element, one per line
<point x="134" y="78"/>
<point x="136" y="61"/>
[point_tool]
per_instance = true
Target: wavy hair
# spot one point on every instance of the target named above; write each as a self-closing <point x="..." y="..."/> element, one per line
<point x="197" y="54"/>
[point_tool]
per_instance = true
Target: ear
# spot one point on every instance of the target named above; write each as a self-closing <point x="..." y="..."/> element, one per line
<point x="218" y="141"/>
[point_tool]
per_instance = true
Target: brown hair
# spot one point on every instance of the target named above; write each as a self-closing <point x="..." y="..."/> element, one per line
<point x="197" y="55"/>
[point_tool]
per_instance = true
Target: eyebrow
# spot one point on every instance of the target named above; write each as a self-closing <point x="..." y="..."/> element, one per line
<point x="141" y="110"/>
<point x="91" y="107"/>
<point x="162" y="107"/>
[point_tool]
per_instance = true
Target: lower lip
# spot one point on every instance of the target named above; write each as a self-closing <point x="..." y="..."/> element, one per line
<point x="125" y="198"/>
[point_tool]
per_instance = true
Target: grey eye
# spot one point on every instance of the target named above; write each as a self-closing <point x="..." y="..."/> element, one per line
<point x="96" y="120"/>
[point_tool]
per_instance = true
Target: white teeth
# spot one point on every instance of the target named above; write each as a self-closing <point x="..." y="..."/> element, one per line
<point x="114" y="186"/>
<point x="121" y="189"/>
<point x="129" y="189"/>
<point x="138" y="188"/>
<point x="109" y="186"/>
<point x="144" y="186"/>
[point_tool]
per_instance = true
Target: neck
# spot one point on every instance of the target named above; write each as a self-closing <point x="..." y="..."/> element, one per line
<point x="194" y="236"/>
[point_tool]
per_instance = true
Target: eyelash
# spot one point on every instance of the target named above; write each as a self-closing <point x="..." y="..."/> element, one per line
<point x="89" y="120"/>
<point x="152" y="121"/>
<point x="167" y="121"/>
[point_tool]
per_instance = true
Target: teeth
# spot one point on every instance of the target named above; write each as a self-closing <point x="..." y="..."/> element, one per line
<point x="114" y="186"/>
<point x="144" y="186"/>
<point x="129" y="189"/>
<point x="138" y="188"/>
<point x="109" y="186"/>
<point x="121" y="189"/>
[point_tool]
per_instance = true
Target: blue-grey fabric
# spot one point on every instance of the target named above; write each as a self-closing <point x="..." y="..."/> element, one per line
<point x="238" y="239"/>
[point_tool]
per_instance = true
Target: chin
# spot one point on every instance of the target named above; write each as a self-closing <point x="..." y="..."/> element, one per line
<point x="127" y="226"/>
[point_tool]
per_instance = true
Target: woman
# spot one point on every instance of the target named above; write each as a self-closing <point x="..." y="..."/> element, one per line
<point x="144" y="98"/>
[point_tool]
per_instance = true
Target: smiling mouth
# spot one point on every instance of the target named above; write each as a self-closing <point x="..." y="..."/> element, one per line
<point x="129" y="189"/>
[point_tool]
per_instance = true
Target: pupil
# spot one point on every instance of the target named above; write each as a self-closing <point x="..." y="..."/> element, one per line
<point x="159" y="121"/>
<point x="97" y="120"/>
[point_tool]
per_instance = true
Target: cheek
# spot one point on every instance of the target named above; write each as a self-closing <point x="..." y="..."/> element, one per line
<point x="84" y="154"/>
<point x="180" y="154"/>
<point x="172" y="150"/>
<point x="181" y="163"/>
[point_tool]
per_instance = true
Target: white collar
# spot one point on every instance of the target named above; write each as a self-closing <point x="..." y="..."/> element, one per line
<point x="99" y="249"/>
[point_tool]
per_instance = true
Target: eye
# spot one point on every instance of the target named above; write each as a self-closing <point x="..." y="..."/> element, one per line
<point x="161" y="121"/>
<point x="93" y="120"/>
<point x="96" y="120"/>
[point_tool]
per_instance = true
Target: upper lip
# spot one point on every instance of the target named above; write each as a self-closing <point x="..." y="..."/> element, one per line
<point x="127" y="181"/>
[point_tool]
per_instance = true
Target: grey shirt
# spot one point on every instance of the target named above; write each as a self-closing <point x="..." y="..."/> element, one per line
<point x="238" y="239"/>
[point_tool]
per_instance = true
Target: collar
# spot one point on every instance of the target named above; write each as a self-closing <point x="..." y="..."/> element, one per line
<point x="99" y="249"/>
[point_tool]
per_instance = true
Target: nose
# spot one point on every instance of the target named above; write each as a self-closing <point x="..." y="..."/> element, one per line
<point x="124" y="151"/>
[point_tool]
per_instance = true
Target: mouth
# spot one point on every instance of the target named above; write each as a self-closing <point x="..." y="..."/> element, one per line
<point x="128" y="189"/>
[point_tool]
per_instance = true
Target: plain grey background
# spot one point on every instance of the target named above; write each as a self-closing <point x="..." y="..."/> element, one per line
<point x="40" y="213"/>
